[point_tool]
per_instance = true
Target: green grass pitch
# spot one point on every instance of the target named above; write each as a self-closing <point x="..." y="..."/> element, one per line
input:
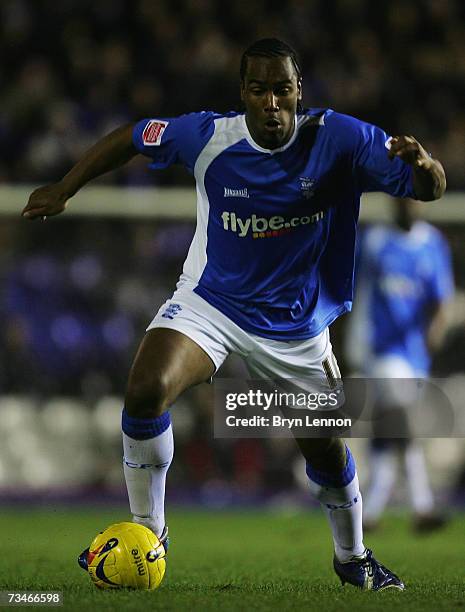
<point x="226" y="561"/>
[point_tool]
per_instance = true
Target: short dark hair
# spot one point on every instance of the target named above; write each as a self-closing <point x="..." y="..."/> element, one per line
<point x="270" y="47"/>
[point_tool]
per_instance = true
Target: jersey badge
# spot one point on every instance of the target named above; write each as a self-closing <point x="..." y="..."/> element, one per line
<point x="153" y="132"/>
<point x="171" y="311"/>
<point x="307" y="185"/>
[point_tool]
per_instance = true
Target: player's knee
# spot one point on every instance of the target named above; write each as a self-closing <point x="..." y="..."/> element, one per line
<point x="147" y="396"/>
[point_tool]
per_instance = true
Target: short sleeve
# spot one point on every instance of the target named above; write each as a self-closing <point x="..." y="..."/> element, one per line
<point x="177" y="140"/>
<point x="368" y="146"/>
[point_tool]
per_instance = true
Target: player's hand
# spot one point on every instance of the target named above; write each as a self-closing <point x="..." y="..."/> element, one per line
<point x="410" y="151"/>
<point x="46" y="202"/>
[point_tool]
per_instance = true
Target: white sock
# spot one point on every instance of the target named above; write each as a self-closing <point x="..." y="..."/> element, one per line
<point x="421" y="496"/>
<point x="146" y="464"/>
<point x="382" y="479"/>
<point x="343" y="507"/>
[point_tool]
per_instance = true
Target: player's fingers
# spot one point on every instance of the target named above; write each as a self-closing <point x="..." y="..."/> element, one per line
<point x="393" y="144"/>
<point x="405" y="150"/>
<point x="44" y="201"/>
<point x="400" y="141"/>
<point x="35" y="201"/>
<point x="403" y="138"/>
<point x="35" y="213"/>
<point x="44" y="210"/>
<point x="398" y="151"/>
<point x="34" y="204"/>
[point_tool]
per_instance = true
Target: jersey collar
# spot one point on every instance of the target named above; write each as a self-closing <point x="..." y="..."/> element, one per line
<point x="256" y="146"/>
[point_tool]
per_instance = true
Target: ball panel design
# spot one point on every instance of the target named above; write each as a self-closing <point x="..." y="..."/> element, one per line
<point x="126" y="555"/>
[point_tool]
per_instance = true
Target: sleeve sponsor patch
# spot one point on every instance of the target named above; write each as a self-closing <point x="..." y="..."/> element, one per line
<point x="153" y="132"/>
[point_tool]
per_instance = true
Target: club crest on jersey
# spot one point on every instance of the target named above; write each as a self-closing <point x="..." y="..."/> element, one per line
<point x="153" y="132"/>
<point x="171" y="311"/>
<point x="307" y="186"/>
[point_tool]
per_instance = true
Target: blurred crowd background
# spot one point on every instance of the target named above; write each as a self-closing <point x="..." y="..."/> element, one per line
<point x="78" y="294"/>
<point x="71" y="71"/>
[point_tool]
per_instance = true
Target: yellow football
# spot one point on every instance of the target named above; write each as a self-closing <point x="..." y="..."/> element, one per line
<point x="126" y="555"/>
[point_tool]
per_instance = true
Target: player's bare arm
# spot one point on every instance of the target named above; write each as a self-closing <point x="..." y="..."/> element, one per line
<point x="112" y="151"/>
<point x="439" y="318"/>
<point x="429" y="179"/>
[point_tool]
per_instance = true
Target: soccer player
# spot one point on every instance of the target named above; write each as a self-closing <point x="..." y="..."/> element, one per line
<point x="404" y="284"/>
<point x="269" y="268"/>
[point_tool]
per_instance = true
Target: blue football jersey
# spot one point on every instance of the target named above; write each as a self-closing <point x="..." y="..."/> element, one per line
<point x="403" y="275"/>
<point x="274" y="244"/>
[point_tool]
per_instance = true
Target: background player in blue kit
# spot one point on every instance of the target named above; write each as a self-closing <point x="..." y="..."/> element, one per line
<point x="269" y="268"/>
<point x="403" y="286"/>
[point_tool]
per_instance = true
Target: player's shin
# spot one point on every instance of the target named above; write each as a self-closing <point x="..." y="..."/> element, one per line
<point x="421" y="496"/>
<point x="383" y="469"/>
<point x="148" y="451"/>
<point x="339" y="494"/>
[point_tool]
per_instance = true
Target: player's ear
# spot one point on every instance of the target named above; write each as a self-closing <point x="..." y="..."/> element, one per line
<point x="299" y="89"/>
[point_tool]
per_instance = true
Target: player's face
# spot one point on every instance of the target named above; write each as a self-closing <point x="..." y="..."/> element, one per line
<point x="270" y="92"/>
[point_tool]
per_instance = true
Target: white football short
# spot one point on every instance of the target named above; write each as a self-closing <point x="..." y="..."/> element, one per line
<point x="395" y="380"/>
<point x="312" y="359"/>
